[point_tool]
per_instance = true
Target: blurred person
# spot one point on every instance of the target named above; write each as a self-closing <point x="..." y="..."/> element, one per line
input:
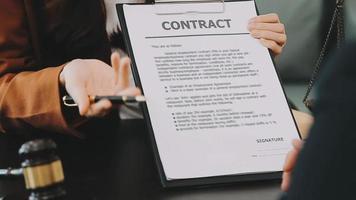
<point x="323" y="167"/>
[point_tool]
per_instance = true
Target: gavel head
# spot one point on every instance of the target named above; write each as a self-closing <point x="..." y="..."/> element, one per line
<point x="42" y="170"/>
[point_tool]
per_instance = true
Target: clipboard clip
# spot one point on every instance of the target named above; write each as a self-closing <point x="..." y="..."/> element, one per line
<point x="194" y="9"/>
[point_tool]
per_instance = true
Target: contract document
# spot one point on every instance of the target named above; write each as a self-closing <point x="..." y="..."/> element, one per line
<point x="215" y="105"/>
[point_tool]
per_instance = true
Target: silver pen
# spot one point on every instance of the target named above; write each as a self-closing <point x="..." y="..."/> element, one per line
<point x="69" y="101"/>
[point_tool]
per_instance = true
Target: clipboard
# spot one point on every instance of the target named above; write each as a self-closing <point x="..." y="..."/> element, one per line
<point x="205" y="181"/>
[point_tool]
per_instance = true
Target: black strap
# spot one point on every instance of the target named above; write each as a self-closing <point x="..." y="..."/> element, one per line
<point x="338" y="22"/>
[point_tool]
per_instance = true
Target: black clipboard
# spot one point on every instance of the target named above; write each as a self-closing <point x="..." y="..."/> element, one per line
<point x="207" y="181"/>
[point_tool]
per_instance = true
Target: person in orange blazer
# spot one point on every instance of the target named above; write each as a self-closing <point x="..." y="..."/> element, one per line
<point x="47" y="49"/>
<point x="54" y="47"/>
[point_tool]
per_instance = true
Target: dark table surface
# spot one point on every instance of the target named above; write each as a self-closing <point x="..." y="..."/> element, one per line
<point x="120" y="166"/>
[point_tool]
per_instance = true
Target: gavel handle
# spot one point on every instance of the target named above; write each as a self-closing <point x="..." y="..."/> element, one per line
<point x="10" y="173"/>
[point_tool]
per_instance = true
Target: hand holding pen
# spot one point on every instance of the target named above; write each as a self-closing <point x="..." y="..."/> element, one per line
<point x="83" y="78"/>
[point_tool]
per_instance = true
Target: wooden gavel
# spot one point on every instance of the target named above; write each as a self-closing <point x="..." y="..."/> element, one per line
<point x="41" y="169"/>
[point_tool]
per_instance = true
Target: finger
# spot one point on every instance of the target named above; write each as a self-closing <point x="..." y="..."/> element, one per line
<point x="115" y="63"/>
<point x="124" y="73"/>
<point x="291" y="160"/>
<point x="285" y="181"/>
<point x="274" y="27"/>
<point x="268" y="18"/>
<point x="99" y="109"/>
<point x="288" y="158"/>
<point x="132" y="91"/>
<point x="280" y="38"/>
<point x="276" y="48"/>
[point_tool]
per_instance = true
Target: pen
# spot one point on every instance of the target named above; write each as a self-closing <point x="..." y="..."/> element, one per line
<point x="69" y="101"/>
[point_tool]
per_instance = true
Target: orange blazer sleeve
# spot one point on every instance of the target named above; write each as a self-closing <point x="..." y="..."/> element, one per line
<point x="29" y="97"/>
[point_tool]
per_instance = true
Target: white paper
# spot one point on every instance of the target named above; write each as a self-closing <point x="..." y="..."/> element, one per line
<point x="213" y="95"/>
